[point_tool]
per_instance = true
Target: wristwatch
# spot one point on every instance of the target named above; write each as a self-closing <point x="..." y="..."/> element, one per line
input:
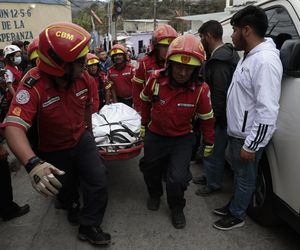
<point x="32" y="162"/>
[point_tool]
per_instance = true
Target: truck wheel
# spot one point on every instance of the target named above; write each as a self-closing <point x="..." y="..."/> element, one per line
<point x="261" y="206"/>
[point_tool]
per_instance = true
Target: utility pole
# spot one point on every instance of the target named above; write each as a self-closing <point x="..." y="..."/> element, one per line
<point x="154" y="14"/>
<point x="112" y="21"/>
<point x="182" y="11"/>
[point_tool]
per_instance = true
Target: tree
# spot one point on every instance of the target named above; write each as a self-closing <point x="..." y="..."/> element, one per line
<point x="143" y="9"/>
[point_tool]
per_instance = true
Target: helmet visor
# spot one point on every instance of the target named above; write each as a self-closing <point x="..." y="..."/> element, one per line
<point x="185" y="59"/>
<point x="116" y="51"/>
<point x="92" y="61"/>
<point x="166" y="41"/>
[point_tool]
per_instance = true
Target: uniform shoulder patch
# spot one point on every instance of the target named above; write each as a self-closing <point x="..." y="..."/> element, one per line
<point x="30" y="81"/>
<point x="22" y="97"/>
<point x="31" y="78"/>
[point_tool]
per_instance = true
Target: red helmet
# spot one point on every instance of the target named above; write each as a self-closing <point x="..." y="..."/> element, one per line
<point x="91" y="59"/>
<point x="163" y="34"/>
<point x="186" y="49"/>
<point x="32" y="50"/>
<point x="59" y="44"/>
<point x="117" y="49"/>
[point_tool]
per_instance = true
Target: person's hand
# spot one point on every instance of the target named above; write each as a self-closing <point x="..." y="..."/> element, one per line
<point x="43" y="179"/>
<point x="3" y="152"/>
<point x="208" y="150"/>
<point x="247" y="156"/>
<point x="142" y="131"/>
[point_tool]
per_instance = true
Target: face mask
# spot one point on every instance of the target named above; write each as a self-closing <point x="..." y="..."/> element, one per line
<point x="17" y="60"/>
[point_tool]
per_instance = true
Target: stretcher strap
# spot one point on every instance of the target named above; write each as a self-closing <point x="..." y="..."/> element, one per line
<point x="115" y="135"/>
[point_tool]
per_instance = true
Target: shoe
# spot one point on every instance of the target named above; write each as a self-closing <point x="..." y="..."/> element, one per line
<point x="178" y="219"/>
<point x="153" y="203"/>
<point x="206" y="191"/>
<point x="200" y="180"/>
<point x="223" y="211"/>
<point x="228" y="222"/>
<point x="15" y="211"/>
<point x="94" y="235"/>
<point x="73" y="213"/>
<point x="59" y="205"/>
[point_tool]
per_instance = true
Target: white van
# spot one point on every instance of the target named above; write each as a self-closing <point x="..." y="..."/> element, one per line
<point x="278" y="183"/>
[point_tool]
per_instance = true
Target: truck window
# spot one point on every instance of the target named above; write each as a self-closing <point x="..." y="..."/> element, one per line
<point x="281" y="26"/>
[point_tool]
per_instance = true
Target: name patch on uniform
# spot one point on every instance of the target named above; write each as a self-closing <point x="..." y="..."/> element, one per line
<point x="17" y="111"/>
<point x="186" y="105"/>
<point x="126" y="73"/>
<point x="81" y="92"/>
<point x="162" y="102"/>
<point x="113" y="74"/>
<point x="51" y="101"/>
<point x="22" y="97"/>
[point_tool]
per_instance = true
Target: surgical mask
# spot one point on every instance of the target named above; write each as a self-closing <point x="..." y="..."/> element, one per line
<point x="17" y="60"/>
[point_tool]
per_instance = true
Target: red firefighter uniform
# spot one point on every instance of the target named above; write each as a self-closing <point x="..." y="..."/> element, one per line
<point x="50" y="105"/>
<point x="95" y="95"/>
<point x="100" y="79"/>
<point x="171" y="99"/>
<point x="147" y="65"/>
<point x="163" y="35"/>
<point x="120" y="80"/>
<point x="169" y="111"/>
<point x="93" y="68"/>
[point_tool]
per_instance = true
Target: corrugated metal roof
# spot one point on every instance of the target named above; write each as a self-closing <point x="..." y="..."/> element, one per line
<point x="145" y="20"/>
<point x="61" y="2"/>
<point x="205" y="17"/>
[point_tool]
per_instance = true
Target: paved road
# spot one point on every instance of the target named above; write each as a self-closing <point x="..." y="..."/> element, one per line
<point x="134" y="227"/>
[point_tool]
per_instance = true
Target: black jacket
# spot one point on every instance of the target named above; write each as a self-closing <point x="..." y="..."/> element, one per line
<point x="217" y="73"/>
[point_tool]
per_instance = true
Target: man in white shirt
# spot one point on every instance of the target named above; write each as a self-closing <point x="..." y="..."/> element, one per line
<point x="252" y="108"/>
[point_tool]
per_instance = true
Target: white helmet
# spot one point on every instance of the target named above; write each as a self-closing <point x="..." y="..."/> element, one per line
<point x="10" y="49"/>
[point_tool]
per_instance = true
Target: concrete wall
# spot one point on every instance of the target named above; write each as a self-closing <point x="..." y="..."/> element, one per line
<point x="20" y="21"/>
<point x="133" y="26"/>
<point x="135" y="38"/>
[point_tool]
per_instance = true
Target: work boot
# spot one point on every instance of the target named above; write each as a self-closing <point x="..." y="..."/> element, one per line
<point x="206" y="191"/>
<point x="222" y="211"/>
<point x="178" y="218"/>
<point x="153" y="203"/>
<point x="73" y="213"/>
<point x="15" y="211"/>
<point x="201" y="180"/>
<point x="94" y="235"/>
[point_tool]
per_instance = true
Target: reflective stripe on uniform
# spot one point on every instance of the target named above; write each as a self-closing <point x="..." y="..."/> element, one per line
<point x="156" y="89"/>
<point x="138" y="80"/>
<point x="205" y="116"/>
<point x="17" y="120"/>
<point x="144" y="97"/>
<point x="109" y="85"/>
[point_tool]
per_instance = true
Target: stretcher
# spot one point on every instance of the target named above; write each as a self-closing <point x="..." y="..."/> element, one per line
<point x="116" y="130"/>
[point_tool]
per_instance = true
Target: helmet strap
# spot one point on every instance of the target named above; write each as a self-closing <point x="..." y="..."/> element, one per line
<point x="160" y="61"/>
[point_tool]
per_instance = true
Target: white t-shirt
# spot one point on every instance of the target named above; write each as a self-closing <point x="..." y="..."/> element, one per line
<point x="9" y="77"/>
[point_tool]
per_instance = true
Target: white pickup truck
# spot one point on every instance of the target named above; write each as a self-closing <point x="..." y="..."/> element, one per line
<point x="278" y="183"/>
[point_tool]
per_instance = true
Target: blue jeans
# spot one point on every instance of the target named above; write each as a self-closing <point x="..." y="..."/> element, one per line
<point x="214" y="164"/>
<point x="244" y="178"/>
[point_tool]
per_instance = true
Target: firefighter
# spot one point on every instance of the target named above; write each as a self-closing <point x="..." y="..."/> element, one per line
<point x="32" y="54"/>
<point x="119" y="77"/>
<point x="55" y="97"/>
<point x="13" y="75"/>
<point x="93" y="68"/>
<point x="172" y="97"/>
<point x="32" y="51"/>
<point x="162" y="37"/>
